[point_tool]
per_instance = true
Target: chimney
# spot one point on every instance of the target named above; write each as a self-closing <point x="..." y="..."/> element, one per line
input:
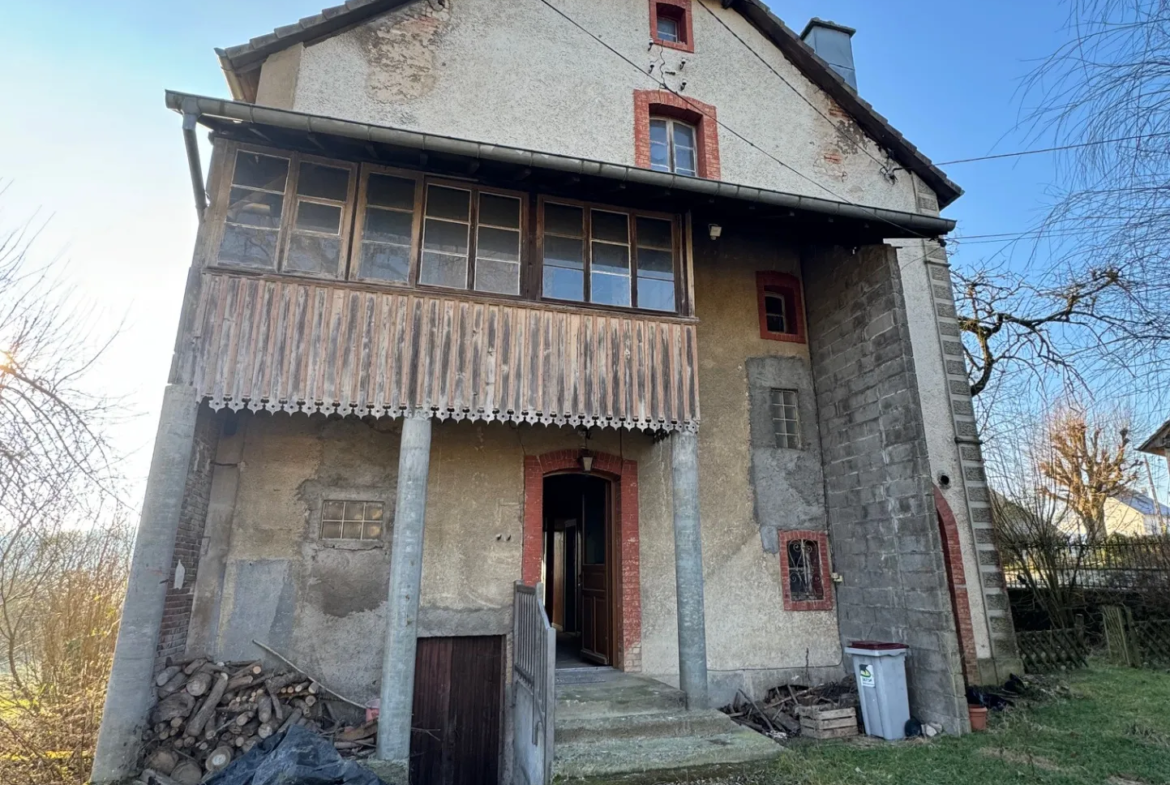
<point x="834" y="44"/>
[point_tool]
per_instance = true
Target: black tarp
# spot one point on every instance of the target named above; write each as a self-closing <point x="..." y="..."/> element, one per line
<point x="295" y="757"/>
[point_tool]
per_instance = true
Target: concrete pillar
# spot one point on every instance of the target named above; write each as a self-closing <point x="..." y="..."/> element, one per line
<point x="397" y="699"/>
<point x="129" y="697"/>
<point x="688" y="570"/>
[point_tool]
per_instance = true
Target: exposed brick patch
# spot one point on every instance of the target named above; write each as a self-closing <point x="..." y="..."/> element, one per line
<point x="788" y="286"/>
<point x="822" y="541"/>
<point x="663" y="103"/>
<point x="624" y="475"/>
<point x="681" y="10"/>
<point x="172" y="639"/>
<point x="953" y="553"/>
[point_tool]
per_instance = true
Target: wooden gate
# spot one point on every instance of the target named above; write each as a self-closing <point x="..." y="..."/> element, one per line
<point x="534" y="654"/>
<point x="458" y="695"/>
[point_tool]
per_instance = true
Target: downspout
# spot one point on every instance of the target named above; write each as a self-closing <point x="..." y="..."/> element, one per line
<point x="190" y="121"/>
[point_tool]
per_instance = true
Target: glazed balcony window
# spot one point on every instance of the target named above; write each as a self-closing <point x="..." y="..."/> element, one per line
<point x="294" y="214"/>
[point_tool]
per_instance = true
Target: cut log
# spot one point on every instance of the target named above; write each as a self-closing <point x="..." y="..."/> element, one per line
<point x="199" y="721"/>
<point x="314" y="688"/>
<point x="166" y="675"/>
<point x="290" y="721"/>
<point x="268" y="728"/>
<point x="277" y="709"/>
<point x="173" y="685"/>
<point x="218" y="759"/>
<point x="244" y="718"/>
<point x="251" y="669"/>
<point x="364" y="731"/>
<point x="250" y="743"/>
<point x="264" y="709"/>
<point x="178" y="705"/>
<point x="162" y="760"/>
<point x="240" y="681"/>
<point x="200" y="683"/>
<point x="194" y="665"/>
<point x="187" y="772"/>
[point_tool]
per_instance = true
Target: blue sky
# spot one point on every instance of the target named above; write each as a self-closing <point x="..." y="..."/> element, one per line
<point x="85" y="138"/>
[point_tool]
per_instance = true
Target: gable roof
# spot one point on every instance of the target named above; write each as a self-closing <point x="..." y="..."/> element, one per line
<point x="1159" y="443"/>
<point x="241" y="65"/>
<point x="1142" y="503"/>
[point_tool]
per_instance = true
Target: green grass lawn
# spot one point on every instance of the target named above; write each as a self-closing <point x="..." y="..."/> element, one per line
<point x="1111" y="726"/>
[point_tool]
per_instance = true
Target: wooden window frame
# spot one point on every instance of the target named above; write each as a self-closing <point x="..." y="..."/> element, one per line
<point x="475" y="189"/>
<point x="681" y="10"/>
<point x="353" y="272"/>
<point x="672" y="161"/>
<point x="788" y="286"/>
<point x="677" y="250"/>
<point x="663" y="104"/>
<point x="821" y="539"/>
<point x="218" y="213"/>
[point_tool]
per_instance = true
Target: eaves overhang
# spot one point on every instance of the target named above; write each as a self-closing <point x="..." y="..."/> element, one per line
<point x="412" y="149"/>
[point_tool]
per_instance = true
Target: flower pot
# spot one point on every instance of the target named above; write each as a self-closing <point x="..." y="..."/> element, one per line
<point x="978" y="715"/>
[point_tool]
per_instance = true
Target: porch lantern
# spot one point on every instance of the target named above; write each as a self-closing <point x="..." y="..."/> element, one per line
<point x="586" y="461"/>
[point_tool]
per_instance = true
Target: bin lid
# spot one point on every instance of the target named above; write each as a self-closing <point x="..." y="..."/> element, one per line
<point x="877" y="646"/>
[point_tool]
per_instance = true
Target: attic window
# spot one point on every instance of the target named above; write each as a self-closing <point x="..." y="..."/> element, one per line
<point x="670" y="24"/>
<point x="781" y="308"/>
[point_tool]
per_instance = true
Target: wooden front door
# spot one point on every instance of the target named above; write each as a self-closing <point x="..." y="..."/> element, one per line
<point x="595" y="558"/>
<point x="458" y="702"/>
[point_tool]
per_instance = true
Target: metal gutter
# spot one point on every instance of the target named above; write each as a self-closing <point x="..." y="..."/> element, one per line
<point x="205" y="107"/>
<point x="190" y="119"/>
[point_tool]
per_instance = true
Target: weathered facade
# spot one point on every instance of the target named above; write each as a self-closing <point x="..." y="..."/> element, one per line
<point x="451" y="249"/>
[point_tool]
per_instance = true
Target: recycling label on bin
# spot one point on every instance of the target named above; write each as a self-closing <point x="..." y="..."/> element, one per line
<point x="865" y="676"/>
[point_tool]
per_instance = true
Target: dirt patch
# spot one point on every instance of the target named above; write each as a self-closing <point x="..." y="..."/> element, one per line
<point x="1021" y="759"/>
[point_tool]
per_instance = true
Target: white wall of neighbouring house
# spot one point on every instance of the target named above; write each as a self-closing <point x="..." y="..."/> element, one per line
<point x="513" y="72"/>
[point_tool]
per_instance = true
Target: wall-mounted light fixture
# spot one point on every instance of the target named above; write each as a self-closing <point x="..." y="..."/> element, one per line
<point x="586" y="461"/>
<point x="715" y="230"/>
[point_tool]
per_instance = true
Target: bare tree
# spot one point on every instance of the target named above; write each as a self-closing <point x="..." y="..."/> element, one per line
<point x="64" y="548"/>
<point x="1086" y="304"/>
<point x="1087" y="463"/>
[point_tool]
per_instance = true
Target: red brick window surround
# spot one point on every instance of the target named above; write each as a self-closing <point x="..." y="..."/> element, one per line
<point x="663" y="104"/>
<point x="781" y="307"/>
<point x="676" y="30"/>
<point x="804" y="571"/>
<point x="624" y="476"/>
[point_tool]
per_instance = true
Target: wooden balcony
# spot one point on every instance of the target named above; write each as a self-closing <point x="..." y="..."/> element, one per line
<point x="288" y="345"/>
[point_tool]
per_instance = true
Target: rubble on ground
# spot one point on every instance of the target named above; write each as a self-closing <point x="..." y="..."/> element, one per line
<point x="778" y="714"/>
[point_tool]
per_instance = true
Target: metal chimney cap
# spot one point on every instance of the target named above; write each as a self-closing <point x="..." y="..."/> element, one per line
<point x="818" y="22"/>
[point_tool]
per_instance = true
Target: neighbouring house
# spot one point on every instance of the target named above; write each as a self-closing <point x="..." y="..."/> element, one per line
<point x="464" y="273"/>
<point x="1159" y="443"/>
<point x="1134" y="514"/>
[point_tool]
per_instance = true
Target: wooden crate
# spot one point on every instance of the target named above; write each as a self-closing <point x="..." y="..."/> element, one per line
<point x="828" y="723"/>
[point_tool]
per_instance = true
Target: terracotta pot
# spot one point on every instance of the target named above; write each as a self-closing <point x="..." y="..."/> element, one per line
<point x="978" y="715"/>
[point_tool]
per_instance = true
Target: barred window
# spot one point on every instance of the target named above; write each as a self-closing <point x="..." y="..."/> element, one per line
<point x="785" y="420"/>
<point x="345" y="520"/>
<point x="804" y="571"/>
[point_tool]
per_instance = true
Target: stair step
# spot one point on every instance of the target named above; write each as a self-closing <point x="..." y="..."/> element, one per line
<point x="593" y="727"/>
<point x="641" y="761"/>
<point x="623" y="695"/>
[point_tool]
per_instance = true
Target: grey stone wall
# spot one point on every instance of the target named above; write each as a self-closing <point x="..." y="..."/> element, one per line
<point x="172" y="639"/>
<point x="787" y="484"/>
<point x="884" y="533"/>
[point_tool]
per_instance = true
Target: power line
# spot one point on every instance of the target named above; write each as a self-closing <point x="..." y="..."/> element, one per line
<point x="884" y="164"/>
<point x="1053" y="149"/>
<point x="726" y="127"/>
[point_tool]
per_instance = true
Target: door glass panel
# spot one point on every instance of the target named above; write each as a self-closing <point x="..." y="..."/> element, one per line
<point x="594" y="534"/>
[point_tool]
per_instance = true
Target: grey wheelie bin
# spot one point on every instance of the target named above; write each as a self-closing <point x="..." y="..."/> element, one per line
<point x="880" y="670"/>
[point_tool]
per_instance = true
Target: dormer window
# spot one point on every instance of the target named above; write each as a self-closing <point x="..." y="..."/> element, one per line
<point x="670" y="24"/>
<point x="672" y="146"/>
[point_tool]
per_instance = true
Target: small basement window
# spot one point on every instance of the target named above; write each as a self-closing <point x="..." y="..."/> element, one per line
<point x="781" y="308"/>
<point x="349" y="520"/>
<point x="804" y="561"/>
<point x="785" y="419"/>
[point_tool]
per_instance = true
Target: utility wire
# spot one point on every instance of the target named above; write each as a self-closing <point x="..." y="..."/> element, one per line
<point x="724" y="126"/>
<point x="1053" y="149"/>
<point x="885" y="165"/>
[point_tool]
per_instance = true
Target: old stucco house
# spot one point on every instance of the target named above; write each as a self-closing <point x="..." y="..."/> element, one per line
<point x="465" y="272"/>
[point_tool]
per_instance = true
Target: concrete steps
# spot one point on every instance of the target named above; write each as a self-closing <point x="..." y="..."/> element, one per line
<point x="616" y="728"/>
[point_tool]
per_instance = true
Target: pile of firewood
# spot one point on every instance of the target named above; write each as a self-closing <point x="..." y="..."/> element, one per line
<point x="779" y="714"/>
<point x="209" y="713"/>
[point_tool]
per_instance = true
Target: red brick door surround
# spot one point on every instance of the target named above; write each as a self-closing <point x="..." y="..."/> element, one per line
<point x="956" y="577"/>
<point x="625" y="580"/>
